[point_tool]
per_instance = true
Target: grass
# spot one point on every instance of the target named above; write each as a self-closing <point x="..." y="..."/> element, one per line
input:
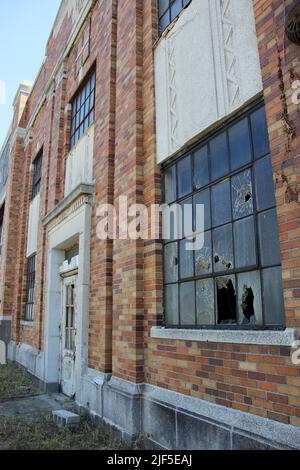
<point x="40" y="433"/>
<point x="15" y="383"/>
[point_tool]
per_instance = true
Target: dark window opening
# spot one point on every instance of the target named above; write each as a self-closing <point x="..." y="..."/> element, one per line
<point x="226" y="300"/>
<point x="229" y="281"/>
<point x="83" y="109"/>
<point x="30" y="287"/>
<point x="168" y="10"/>
<point x="37" y="174"/>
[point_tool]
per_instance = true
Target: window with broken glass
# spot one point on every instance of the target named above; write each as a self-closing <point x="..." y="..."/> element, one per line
<point x="234" y="280"/>
<point x="168" y="10"/>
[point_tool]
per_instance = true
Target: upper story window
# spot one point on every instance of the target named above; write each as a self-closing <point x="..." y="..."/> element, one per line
<point x="168" y="10"/>
<point x="83" y="109"/>
<point x="235" y="279"/>
<point x="37" y="174"/>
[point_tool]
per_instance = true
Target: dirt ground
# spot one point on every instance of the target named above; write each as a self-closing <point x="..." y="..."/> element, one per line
<point x="26" y="419"/>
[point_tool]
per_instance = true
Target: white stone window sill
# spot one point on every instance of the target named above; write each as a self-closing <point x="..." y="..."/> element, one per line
<point x="26" y="323"/>
<point x="266" y="337"/>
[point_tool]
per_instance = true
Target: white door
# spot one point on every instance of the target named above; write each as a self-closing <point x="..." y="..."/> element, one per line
<point x="68" y="335"/>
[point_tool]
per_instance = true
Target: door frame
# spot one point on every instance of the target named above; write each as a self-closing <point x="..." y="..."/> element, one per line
<point x="68" y="279"/>
<point x="74" y="229"/>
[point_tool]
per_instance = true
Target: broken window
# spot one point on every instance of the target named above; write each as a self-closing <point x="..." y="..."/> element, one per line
<point x="205" y="298"/>
<point x="203" y="257"/>
<point x="242" y="195"/>
<point x="249" y="298"/>
<point x="223" y="248"/>
<point x="235" y="278"/>
<point x="226" y="300"/>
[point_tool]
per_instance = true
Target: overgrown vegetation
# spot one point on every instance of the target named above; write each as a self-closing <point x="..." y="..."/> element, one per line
<point x="40" y="433"/>
<point x="15" y="383"/>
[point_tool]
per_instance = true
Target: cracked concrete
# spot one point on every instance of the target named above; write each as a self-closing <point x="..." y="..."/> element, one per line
<point x="35" y="404"/>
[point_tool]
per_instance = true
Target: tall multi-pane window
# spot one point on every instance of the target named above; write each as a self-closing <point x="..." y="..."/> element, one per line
<point x="83" y="109"/>
<point x="234" y="280"/>
<point x="37" y="174"/>
<point x="30" y="285"/>
<point x="168" y="10"/>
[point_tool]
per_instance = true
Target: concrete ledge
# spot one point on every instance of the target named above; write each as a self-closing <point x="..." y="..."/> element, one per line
<point x="245" y="429"/>
<point x="163" y="419"/>
<point x="81" y="189"/>
<point x="266" y="337"/>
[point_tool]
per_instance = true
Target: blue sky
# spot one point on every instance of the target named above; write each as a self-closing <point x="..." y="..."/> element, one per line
<point x="24" y="31"/>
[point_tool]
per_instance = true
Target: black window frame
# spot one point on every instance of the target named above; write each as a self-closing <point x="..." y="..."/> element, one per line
<point x="247" y="112"/>
<point x="166" y="16"/>
<point x="37" y="174"/>
<point x="83" y="108"/>
<point x="30" y="288"/>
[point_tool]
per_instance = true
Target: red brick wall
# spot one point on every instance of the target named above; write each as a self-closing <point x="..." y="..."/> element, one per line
<point x="126" y="276"/>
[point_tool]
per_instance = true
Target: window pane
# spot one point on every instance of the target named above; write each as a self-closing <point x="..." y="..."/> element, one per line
<point x="175" y="9"/>
<point x="170" y="184"/>
<point x="187" y="303"/>
<point x="223" y="248"/>
<point x="201" y="174"/>
<point x="219" y="157"/>
<point x="171" y="305"/>
<point x="184" y="169"/>
<point x="242" y="195"/>
<point x="162" y="6"/>
<point x="187" y="217"/>
<point x="204" y="198"/>
<point x="269" y="238"/>
<point x="221" y="203"/>
<point x="264" y="185"/>
<point x="186" y="260"/>
<point x="260" y="133"/>
<point x="205" y="302"/>
<point x="226" y="300"/>
<point x="239" y="141"/>
<point x="171" y="262"/>
<point x="273" y="296"/>
<point x="244" y="243"/>
<point x="249" y="298"/>
<point x="203" y="257"/>
<point x="164" y="21"/>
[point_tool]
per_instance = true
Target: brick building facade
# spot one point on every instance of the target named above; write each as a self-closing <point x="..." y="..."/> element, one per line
<point x="160" y="102"/>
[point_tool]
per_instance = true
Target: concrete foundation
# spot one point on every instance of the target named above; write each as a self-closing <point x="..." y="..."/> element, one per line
<point x="169" y="420"/>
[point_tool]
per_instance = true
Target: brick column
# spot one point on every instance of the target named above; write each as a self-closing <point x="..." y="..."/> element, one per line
<point x="280" y="67"/>
<point x="128" y="285"/>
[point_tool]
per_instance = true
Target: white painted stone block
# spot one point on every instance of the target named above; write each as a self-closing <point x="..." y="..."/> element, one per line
<point x="206" y="67"/>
